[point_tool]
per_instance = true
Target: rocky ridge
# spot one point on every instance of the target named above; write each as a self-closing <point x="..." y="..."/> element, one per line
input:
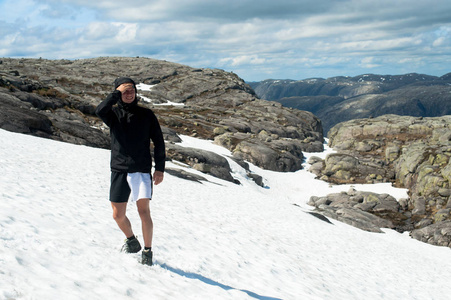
<point x="409" y="152"/>
<point x="339" y="99"/>
<point x="57" y="98"/>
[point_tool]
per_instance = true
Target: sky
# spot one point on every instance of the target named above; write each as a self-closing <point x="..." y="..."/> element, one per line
<point x="284" y="39"/>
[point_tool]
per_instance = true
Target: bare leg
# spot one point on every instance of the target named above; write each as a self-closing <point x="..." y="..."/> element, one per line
<point x="146" y="220"/>
<point x="121" y="219"/>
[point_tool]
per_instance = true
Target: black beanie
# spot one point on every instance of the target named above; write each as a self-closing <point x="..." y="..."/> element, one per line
<point x="122" y="80"/>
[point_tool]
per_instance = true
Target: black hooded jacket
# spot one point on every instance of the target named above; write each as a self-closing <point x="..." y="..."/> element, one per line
<point x="132" y="127"/>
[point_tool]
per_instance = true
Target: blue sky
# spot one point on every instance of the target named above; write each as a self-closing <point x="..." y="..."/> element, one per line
<point x="256" y="39"/>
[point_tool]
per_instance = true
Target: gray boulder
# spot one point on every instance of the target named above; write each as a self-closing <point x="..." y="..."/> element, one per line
<point x="20" y="117"/>
<point x="436" y="234"/>
<point x="365" y="210"/>
<point x="342" y="168"/>
<point x="201" y="160"/>
<point x="185" y="175"/>
<point x="269" y="158"/>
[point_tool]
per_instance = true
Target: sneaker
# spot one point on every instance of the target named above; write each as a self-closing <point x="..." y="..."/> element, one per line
<point x="146" y="257"/>
<point x="131" y="246"/>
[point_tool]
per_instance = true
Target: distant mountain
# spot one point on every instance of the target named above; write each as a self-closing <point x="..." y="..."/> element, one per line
<point x="339" y="99"/>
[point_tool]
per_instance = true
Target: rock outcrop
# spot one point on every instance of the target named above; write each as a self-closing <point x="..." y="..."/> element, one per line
<point x="437" y="234"/>
<point x="410" y="152"/>
<point x="364" y="210"/>
<point x="201" y="160"/>
<point x="57" y="98"/>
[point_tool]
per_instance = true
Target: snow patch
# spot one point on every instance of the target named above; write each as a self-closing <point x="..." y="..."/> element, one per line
<point x="211" y="241"/>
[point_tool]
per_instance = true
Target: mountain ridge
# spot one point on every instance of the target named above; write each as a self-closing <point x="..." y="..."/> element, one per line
<point x="344" y="98"/>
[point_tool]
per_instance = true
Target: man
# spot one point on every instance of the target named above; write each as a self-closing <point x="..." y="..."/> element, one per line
<point x="132" y="127"/>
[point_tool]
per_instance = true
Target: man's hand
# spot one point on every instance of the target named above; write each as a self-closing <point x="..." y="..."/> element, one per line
<point x="158" y="177"/>
<point x="124" y="87"/>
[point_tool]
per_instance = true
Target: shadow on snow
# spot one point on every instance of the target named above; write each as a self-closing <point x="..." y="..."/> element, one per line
<point x="212" y="282"/>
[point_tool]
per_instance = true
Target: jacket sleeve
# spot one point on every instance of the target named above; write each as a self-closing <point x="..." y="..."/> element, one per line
<point x="104" y="109"/>
<point x="158" y="143"/>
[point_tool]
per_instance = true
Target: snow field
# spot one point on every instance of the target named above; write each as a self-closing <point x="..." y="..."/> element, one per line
<point x="212" y="240"/>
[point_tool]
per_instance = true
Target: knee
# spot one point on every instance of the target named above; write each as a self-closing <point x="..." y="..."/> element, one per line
<point x="144" y="212"/>
<point x="117" y="216"/>
<point x="143" y="208"/>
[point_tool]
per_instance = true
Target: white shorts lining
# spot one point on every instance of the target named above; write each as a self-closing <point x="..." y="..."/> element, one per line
<point x="140" y="186"/>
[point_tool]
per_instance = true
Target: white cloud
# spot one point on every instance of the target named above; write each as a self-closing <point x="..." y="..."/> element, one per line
<point x="292" y="37"/>
<point x="127" y="33"/>
<point x="369" y="63"/>
<point x="439" y="42"/>
<point x="243" y="60"/>
<point x="100" y="30"/>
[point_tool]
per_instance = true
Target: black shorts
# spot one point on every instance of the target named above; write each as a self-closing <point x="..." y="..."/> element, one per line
<point x="139" y="184"/>
<point x="119" y="189"/>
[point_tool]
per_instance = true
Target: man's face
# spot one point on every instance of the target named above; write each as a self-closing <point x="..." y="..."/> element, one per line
<point x="127" y="92"/>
